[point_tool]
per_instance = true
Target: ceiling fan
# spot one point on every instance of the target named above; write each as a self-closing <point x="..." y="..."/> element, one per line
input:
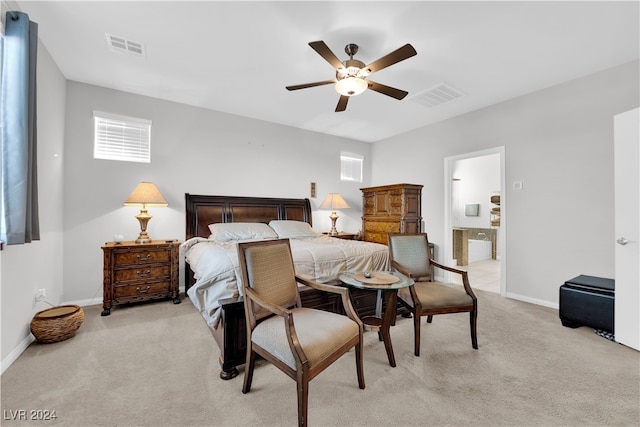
<point x="351" y="74"/>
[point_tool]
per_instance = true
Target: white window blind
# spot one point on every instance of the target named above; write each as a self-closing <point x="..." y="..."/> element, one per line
<point x="121" y="138"/>
<point x="351" y="167"/>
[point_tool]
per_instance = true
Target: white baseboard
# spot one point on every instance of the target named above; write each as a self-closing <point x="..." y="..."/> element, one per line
<point x="536" y="301"/>
<point x="85" y="302"/>
<point x="16" y="353"/>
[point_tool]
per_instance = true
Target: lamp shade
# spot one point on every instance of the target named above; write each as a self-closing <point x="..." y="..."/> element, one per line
<point x="351" y="86"/>
<point x="146" y="194"/>
<point x="334" y="201"/>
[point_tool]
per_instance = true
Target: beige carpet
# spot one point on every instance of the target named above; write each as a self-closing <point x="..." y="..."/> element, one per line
<point x="156" y="365"/>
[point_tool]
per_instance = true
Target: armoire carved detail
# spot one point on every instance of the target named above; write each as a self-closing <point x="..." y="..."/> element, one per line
<point x="393" y="208"/>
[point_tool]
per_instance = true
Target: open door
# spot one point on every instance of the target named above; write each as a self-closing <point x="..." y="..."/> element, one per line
<point x="627" y="224"/>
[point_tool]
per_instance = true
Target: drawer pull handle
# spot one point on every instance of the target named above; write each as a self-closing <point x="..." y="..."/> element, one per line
<point x="143" y="273"/>
<point x="143" y="291"/>
<point x="143" y="258"/>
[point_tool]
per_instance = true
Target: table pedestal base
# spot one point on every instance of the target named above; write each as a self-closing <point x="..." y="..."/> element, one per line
<point x="384" y="316"/>
<point x="383" y="324"/>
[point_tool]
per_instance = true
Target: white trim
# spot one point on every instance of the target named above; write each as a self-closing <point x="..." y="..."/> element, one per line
<point x="535" y="301"/>
<point x="447" y="247"/>
<point x="85" y="302"/>
<point x="8" y="361"/>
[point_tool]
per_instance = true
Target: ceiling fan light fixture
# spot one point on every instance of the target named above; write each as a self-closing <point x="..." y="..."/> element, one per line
<point x="363" y="73"/>
<point x="351" y="86"/>
<point x="351" y="74"/>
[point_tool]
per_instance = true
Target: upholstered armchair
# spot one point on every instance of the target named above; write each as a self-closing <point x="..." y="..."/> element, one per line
<point x="300" y="341"/>
<point x="410" y="255"/>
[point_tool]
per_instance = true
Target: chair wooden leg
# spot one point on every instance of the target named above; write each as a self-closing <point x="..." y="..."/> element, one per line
<point x="416" y="332"/>
<point x="429" y="319"/>
<point x="303" y="398"/>
<point x="248" y="370"/>
<point x="359" y="364"/>
<point x="473" y="321"/>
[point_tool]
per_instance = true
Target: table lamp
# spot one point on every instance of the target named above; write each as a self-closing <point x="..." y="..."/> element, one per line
<point x="145" y="194"/>
<point x="334" y="201"/>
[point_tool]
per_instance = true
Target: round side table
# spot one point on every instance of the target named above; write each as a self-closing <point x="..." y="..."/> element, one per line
<point x="381" y="321"/>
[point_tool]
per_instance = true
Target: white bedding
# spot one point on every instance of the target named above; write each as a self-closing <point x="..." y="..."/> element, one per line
<point x="215" y="266"/>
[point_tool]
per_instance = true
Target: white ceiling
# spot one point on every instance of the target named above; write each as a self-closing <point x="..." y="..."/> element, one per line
<point x="237" y="57"/>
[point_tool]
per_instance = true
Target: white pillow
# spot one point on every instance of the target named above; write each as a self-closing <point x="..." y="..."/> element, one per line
<point x="292" y="229"/>
<point x="225" y="232"/>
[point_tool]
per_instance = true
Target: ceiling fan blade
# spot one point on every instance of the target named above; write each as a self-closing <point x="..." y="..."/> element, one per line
<point x="406" y="51"/>
<point x="342" y="103"/>
<point x="324" y="51"/>
<point x="314" y="84"/>
<point x="387" y="90"/>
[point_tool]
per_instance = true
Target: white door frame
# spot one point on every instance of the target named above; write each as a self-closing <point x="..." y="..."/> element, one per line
<point x="447" y="257"/>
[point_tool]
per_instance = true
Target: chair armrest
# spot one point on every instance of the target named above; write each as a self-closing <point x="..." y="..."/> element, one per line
<point x="398" y="267"/>
<point x="465" y="276"/>
<point x="343" y="292"/>
<point x="444" y="267"/>
<point x="287" y="315"/>
<point x="322" y="286"/>
<point x="275" y="309"/>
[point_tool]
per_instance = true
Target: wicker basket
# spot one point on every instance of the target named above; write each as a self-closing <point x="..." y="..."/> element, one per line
<point x="57" y="323"/>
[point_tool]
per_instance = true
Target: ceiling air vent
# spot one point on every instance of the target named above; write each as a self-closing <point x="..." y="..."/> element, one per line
<point x="122" y="45"/>
<point x="437" y="95"/>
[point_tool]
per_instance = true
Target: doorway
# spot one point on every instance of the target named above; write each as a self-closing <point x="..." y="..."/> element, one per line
<point x="483" y="224"/>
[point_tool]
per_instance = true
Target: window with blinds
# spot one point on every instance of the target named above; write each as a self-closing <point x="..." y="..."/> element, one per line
<point x="123" y="138"/>
<point x="351" y="167"/>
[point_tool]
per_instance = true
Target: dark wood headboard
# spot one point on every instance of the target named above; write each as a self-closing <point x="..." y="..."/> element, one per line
<point x="204" y="210"/>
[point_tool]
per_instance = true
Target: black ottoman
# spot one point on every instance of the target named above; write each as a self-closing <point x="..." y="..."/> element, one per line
<point x="588" y="301"/>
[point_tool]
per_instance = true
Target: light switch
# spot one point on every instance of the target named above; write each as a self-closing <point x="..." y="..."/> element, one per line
<point x="313" y="189"/>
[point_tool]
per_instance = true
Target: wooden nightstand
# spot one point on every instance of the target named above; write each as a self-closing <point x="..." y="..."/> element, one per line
<point x="136" y="272"/>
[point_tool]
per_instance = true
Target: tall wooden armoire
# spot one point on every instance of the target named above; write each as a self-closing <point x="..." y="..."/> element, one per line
<point x="391" y="209"/>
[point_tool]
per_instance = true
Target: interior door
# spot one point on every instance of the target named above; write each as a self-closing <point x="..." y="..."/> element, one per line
<point x="627" y="224"/>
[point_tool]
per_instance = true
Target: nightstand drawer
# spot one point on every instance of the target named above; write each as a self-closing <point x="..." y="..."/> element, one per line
<point x="142" y="273"/>
<point x="142" y="257"/>
<point x="141" y="289"/>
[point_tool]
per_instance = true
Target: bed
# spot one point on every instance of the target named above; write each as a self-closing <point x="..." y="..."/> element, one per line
<point x="214" y="225"/>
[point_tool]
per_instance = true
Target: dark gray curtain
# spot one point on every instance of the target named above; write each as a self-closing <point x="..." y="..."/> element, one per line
<point x="18" y="166"/>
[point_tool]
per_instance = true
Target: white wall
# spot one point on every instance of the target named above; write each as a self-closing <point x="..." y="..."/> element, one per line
<point x="478" y="178"/>
<point x="194" y="151"/>
<point x="559" y="142"/>
<point x="25" y="268"/>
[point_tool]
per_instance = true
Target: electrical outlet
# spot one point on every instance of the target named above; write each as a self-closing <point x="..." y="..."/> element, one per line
<point x="40" y="294"/>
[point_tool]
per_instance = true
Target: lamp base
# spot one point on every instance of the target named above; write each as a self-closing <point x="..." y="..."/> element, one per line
<point x="143" y="217"/>
<point x="334" y="218"/>
<point x="143" y="239"/>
